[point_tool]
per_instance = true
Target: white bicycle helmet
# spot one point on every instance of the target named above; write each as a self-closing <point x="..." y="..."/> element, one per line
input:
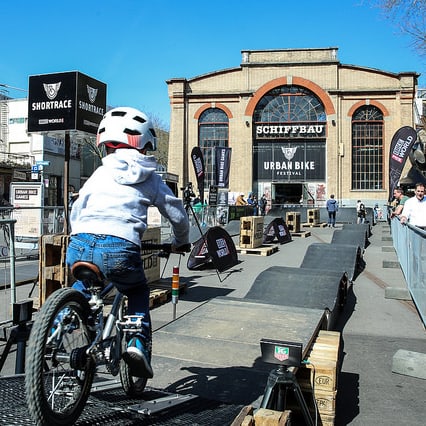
<point x="125" y="127"/>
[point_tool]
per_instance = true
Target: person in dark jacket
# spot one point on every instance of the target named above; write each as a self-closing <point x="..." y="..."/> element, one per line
<point x="332" y="207"/>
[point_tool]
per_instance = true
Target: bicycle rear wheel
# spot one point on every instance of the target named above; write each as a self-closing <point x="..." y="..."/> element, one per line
<point x="59" y="374"/>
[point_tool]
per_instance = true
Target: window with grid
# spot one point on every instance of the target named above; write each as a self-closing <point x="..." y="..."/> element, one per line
<point x="367" y="148"/>
<point x="289" y="104"/>
<point x="212" y="132"/>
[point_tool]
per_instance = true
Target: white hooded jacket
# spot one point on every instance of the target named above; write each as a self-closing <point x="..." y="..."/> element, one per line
<point x="115" y="199"/>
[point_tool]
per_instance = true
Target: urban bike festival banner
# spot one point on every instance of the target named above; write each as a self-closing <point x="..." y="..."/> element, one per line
<point x="222" y="166"/>
<point x="401" y="145"/>
<point x="198" y="163"/>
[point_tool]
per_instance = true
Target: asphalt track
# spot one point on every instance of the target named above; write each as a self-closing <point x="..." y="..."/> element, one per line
<point x="373" y="329"/>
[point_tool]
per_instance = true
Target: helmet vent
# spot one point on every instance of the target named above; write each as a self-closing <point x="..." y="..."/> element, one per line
<point x="139" y="118"/>
<point x="132" y="132"/>
<point x="118" y="113"/>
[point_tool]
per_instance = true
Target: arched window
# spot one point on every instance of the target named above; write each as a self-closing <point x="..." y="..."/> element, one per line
<point x="367" y="148"/>
<point x="289" y="104"/>
<point x="212" y="132"/>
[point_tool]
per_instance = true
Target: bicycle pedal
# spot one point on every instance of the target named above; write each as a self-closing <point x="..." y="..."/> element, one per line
<point x="132" y="323"/>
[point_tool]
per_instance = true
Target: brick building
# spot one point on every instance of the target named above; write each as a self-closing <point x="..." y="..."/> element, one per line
<point x="300" y="124"/>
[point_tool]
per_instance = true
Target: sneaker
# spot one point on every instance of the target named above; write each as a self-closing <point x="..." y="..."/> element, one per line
<point x="137" y="358"/>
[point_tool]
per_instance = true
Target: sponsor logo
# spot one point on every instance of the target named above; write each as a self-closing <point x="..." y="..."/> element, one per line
<point x="223" y="249"/>
<point x="198" y="165"/>
<point x="281" y="353"/>
<point x="52" y="89"/>
<point x="92" y="93"/>
<point x="289" y="152"/>
<point x="400" y="149"/>
<point x="281" y="231"/>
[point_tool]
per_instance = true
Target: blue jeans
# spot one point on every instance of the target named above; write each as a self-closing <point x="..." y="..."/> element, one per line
<point x="120" y="262"/>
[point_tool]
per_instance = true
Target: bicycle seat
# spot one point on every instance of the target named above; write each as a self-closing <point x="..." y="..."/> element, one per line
<point x="86" y="271"/>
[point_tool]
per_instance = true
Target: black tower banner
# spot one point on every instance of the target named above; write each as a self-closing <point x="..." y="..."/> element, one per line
<point x="401" y="145"/>
<point x="198" y="163"/>
<point x="222" y="166"/>
<point x="220" y="250"/>
<point x="277" y="229"/>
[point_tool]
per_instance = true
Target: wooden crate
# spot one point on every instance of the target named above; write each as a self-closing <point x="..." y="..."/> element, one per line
<point x="322" y="371"/>
<point x="292" y="220"/>
<point x="151" y="262"/>
<point x="54" y="274"/>
<point x="319" y="378"/>
<point x="251" y="231"/>
<point x="313" y="216"/>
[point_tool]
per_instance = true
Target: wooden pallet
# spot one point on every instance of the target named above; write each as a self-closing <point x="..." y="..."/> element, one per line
<point x="158" y="297"/>
<point x="303" y="234"/>
<point x="314" y="225"/>
<point x="265" y="250"/>
<point x="262" y="416"/>
<point x="167" y="285"/>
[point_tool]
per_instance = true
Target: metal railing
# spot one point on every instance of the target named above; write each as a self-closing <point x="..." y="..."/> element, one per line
<point x="410" y="245"/>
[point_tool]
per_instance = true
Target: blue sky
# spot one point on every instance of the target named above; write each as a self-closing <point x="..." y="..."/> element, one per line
<point x="134" y="46"/>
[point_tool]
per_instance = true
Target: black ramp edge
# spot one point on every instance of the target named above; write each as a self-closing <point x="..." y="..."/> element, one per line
<point x="350" y="236"/>
<point x="333" y="257"/>
<point x="355" y="226"/>
<point x="303" y="288"/>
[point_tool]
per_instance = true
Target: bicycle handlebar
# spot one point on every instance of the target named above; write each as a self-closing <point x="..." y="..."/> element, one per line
<point x="166" y="248"/>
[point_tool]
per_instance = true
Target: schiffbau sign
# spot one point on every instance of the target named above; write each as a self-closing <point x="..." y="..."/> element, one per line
<point x="65" y="101"/>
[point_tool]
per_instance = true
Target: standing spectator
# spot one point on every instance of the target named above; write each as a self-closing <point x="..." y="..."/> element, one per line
<point x="252" y="201"/>
<point x="240" y="201"/>
<point x="414" y="211"/>
<point x="262" y="204"/>
<point x="332" y="208"/>
<point x="399" y="200"/>
<point x="360" y="212"/>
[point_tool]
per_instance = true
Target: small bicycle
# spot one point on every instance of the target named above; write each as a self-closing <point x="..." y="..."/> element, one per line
<point x="71" y="337"/>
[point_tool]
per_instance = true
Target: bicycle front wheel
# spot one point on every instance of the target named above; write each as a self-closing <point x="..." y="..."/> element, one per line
<point x="59" y="373"/>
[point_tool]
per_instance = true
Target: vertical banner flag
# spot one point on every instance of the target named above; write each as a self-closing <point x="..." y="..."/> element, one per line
<point x="198" y="163"/>
<point x="222" y="166"/>
<point x="401" y="145"/>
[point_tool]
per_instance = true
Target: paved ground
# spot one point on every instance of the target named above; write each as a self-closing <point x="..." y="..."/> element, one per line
<point x="373" y="329"/>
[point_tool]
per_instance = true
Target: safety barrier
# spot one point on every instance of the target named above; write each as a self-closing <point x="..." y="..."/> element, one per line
<point x="410" y="245"/>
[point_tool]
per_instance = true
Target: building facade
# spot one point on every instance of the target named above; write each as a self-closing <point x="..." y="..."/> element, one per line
<point x="300" y="125"/>
<point x="39" y="157"/>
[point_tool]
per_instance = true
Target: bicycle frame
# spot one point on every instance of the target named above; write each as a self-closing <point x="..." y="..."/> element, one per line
<point x="71" y="338"/>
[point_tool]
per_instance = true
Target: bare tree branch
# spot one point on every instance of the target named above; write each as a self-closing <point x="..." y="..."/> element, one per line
<point x="410" y="18"/>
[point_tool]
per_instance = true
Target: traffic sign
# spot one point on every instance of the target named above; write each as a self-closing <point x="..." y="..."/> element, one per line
<point x="43" y="163"/>
<point x="34" y="169"/>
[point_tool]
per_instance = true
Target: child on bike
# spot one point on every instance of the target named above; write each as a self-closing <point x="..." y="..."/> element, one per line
<point x="110" y="216"/>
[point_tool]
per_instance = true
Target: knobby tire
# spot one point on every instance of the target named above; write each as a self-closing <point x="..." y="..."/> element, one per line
<point x="56" y="393"/>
